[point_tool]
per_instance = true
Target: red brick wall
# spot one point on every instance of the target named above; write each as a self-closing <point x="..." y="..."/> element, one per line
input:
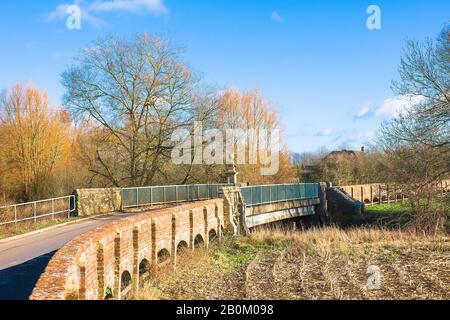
<point x="378" y="192"/>
<point x="92" y="264"/>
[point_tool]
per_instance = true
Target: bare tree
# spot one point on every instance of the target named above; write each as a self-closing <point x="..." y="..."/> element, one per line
<point x="424" y="73"/>
<point x="137" y="92"/>
<point x="418" y="141"/>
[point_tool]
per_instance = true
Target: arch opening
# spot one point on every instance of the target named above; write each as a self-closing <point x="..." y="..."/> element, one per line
<point x="199" y="242"/>
<point x="163" y="256"/>
<point x="212" y="236"/>
<point x="182" y="247"/>
<point x="144" y="270"/>
<point x="125" y="283"/>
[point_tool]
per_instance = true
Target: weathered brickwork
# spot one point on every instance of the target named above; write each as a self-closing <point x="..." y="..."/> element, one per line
<point x="109" y="262"/>
<point x="379" y="192"/>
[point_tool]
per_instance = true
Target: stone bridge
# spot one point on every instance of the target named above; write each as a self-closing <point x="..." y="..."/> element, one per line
<point x="111" y="261"/>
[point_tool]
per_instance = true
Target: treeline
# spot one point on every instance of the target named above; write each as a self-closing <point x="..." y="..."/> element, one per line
<point x="124" y="99"/>
<point x="413" y="149"/>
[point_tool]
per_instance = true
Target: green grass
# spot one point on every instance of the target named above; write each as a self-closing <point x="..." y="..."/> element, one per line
<point x="388" y="208"/>
<point x="236" y="252"/>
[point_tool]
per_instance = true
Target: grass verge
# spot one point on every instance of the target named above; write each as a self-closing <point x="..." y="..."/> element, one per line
<point x="26" y="227"/>
<point x="328" y="263"/>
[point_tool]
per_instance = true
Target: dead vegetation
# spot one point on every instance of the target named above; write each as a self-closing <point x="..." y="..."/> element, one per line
<point x="327" y="263"/>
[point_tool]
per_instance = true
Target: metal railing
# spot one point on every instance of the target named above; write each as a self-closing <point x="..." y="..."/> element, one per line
<point x="156" y="195"/>
<point x="36" y="210"/>
<point x="257" y="195"/>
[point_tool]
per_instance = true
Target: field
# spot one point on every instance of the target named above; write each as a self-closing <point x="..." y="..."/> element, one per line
<point x="374" y="258"/>
<point x="328" y="263"/>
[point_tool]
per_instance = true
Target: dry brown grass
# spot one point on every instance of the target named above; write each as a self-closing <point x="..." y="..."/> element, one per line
<point x="12" y="230"/>
<point x="327" y="263"/>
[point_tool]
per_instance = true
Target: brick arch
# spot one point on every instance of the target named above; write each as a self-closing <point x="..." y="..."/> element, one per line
<point x="91" y="265"/>
<point x="212" y="235"/>
<point x="182" y="246"/>
<point x="163" y="256"/>
<point x="144" y="270"/>
<point x="125" y="283"/>
<point x="199" y="241"/>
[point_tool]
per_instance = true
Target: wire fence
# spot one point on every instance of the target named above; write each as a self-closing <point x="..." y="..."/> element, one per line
<point x="35" y="211"/>
<point x="257" y="195"/>
<point x="156" y="195"/>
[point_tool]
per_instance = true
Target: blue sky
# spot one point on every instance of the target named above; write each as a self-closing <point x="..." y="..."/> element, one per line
<point x="317" y="61"/>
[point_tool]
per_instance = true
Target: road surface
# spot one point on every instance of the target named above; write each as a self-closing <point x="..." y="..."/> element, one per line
<point x="23" y="260"/>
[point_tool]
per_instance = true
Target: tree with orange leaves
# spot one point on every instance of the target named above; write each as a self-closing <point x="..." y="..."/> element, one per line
<point x="249" y="110"/>
<point x="35" y="142"/>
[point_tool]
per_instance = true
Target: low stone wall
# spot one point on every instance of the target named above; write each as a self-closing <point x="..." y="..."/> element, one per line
<point x="383" y="192"/>
<point x="341" y="206"/>
<point x="110" y="261"/>
<point x="97" y="201"/>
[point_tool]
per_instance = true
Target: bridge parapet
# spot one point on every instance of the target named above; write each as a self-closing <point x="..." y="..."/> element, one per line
<point x="111" y="261"/>
<point x="376" y="193"/>
<point x="253" y="206"/>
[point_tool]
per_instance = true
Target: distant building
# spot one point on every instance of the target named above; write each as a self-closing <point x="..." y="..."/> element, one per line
<point x="309" y="171"/>
<point x="342" y="154"/>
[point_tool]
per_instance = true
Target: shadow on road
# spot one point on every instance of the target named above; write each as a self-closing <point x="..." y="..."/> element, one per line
<point x="17" y="283"/>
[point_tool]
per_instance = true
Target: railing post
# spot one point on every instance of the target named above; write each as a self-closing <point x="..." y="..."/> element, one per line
<point x="379" y="195"/>
<point x="371" y="194"/>
<point x="68" y="210"/>
<point x="261" y="194"/>
<point x="15" y="214"/>
<point x="164" y="194"/>
<point x="137" y="197"/>
<point x="388" y="195"/>
<point x="34" y="211"/>
<point x="151" y="196"/>
<point x="53" y="208"/>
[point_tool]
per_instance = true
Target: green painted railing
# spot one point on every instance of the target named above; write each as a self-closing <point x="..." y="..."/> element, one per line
<point x="256" y="195"/>
<point x="148" y="196"/>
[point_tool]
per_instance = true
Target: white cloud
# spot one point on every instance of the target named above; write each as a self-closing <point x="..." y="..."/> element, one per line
<point x="276" y="17"/>
<point x="325" y="132"/>
<point x="364" y="110"/>
<point x="152" y="6"/>
<point x="88" y="9"/>
<point x="393" y="107"/>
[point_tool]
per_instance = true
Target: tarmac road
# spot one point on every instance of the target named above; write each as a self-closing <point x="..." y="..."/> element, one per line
<point x="23" y="260"/>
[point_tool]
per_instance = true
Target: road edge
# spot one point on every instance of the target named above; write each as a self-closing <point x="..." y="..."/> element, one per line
<point x="24" y="235"/>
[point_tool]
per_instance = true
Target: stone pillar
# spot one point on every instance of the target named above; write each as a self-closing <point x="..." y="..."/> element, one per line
<point x="322" y="208"/>
<point x="232" y="174"/>
<point x="97" y="201"/>
<point x="233" y="209"/>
